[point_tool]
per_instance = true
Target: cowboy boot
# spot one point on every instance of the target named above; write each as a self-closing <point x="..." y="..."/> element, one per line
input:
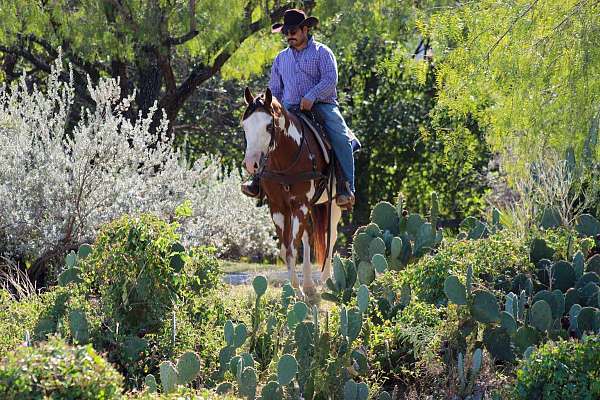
<point x="251" y="188"/>
<point x="345" y="198"/>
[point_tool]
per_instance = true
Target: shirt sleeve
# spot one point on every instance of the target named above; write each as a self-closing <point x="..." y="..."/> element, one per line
<point x="329" y="76"/>
<point x="276" y="83"/>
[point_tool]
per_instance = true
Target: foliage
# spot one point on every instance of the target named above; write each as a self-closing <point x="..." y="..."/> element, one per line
<point x="56" y="370"/>
<point x="559" y="300"/>
<point x="390" y="110"/>
<point x="561" y="370"/>
<point x="524" y="70"/>
<point x="554" y="192"/>
<point x="137" y="269"/>
<point x="57" y="190"/>
<point x="493" y="260"/>
<point x="161" y="51"/>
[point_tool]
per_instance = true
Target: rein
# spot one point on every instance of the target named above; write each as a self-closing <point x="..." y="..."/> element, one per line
<point x="285" y="177"/>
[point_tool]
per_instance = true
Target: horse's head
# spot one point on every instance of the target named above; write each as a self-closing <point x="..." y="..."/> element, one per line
<point x="258" y="122"/>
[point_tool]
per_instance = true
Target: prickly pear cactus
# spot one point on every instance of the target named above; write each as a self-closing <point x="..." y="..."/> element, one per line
<point x="188" y="367"/>
<point x="455" y="290"/>
<point x="355" y="391"/>
<point x="150" y="382"/>
<point x="260" y="285"/>
<point x="287" y="367"/>
<point x="168" y="376"/>
<point x="248" y="382"/>
<point x="79" y="326"/>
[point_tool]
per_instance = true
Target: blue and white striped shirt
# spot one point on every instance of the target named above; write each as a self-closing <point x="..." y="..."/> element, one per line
<point x="310" y="73"/>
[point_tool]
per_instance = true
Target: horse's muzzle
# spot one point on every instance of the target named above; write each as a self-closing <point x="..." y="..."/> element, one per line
<point x="251" y="164"/>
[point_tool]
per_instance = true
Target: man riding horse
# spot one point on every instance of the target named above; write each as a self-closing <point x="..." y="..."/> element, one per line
<point x="304" y="77"/>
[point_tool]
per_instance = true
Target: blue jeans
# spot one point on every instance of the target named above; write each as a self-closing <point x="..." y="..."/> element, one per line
<point x="338" y="133"/>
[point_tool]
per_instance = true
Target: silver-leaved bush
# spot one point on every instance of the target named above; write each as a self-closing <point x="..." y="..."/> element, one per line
<point x="58" y="188"/>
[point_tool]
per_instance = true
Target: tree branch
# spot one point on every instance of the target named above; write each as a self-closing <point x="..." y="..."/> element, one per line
<point x="125" y="13"/>
<point x="193" y="28"/>
<point x="521" y="15"/>
<point x="173" y="102"/>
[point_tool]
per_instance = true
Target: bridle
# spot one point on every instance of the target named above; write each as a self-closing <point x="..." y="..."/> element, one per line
<point x="287" y="176"/>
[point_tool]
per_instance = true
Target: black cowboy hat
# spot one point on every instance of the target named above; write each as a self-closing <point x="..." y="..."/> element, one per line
<point x="293" y="19"/>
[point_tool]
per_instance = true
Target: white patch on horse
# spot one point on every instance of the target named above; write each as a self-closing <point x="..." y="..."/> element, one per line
<point x="257" y="137"/>
<point x="294" y="133"/>
<point x="311" y="191"/>
<point x="304" y="209"/>
<point x="295" y="227"/>
<point x="278" y="220"/>
<point x="282" y="122"/>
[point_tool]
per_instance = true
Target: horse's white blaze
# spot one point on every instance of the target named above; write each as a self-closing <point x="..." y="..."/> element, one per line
<point x="278" y="220"/>
<point x="294" y="133"/>
<point x="257" y="138"/>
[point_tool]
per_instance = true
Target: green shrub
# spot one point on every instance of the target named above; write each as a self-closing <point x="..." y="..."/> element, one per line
<point x="58" y="371"/>
<point x="136" y="268"/>
<point x="562" y="370"/>
<point x="494" y="260"/>
<point x="561" y="238"/>
<point x="38" y="315"/>
<point x="399" y="343"/>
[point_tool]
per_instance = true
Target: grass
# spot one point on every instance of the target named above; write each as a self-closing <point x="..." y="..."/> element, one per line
<point x="232" y="267"/>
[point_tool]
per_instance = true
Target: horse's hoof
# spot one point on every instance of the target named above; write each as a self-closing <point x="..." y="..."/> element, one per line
<point x="312" y="295"/>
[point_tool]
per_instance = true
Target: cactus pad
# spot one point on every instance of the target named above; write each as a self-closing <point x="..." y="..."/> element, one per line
<point x="366" y="272"/>
<point x="379" y="263"/>
<point x="541" y="315"/>
<point x="247" y="383"/>
<point x="385" y="216"/>
<point x="168" y="376"/>
<point x="287" y="367"/>
<point x="587" y="225"/>
<point x="497" y="342"/>
<point x="485" y="307"/>
<point x="563" y="275"/>
<point x="455" y="290"/>
<point x="272" y="391"/>
<point x="363" y="298"/>
<point x="260" y="285"/>
<point x="150" y="382"/>
<point x="188" y="367"/>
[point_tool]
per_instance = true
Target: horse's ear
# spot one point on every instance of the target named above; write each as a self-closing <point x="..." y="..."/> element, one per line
<point x="248" y="96"/>
<point x="268" y="97"/>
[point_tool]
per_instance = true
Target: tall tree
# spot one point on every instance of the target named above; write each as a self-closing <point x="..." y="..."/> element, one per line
<point x="526" y="70"/>
<point x="136" y="41"/>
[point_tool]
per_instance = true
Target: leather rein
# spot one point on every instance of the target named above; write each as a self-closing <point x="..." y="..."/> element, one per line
<point x="285" y="176"/>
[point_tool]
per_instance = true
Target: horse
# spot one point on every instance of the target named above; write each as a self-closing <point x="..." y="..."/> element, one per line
<point x="291" y="164"/>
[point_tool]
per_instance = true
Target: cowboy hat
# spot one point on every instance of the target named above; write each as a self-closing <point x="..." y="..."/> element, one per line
<point x="293" y="19"/>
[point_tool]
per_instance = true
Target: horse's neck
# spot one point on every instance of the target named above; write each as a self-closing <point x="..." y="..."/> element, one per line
<point x="288" y="140"/>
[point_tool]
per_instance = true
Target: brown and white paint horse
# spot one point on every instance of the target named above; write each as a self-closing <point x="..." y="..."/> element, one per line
<point x="274" y="134"/>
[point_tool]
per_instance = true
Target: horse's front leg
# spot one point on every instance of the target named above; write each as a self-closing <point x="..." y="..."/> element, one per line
<point x="300" y="233"/>
<point x="287" y="251"/>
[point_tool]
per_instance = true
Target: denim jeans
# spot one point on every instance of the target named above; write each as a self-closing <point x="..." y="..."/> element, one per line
<point x="337" y="130"/>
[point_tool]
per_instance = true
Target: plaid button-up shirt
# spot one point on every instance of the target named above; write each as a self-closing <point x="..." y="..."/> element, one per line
<point x="310" y="73"/>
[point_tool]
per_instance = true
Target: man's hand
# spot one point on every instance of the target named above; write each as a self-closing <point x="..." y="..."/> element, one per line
<point x="305" y="104"/>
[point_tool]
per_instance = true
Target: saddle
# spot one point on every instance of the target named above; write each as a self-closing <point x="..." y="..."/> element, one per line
<point x="315" y="125"/>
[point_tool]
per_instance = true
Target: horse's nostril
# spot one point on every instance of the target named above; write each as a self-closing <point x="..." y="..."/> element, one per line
<point x="256" y="165"/>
